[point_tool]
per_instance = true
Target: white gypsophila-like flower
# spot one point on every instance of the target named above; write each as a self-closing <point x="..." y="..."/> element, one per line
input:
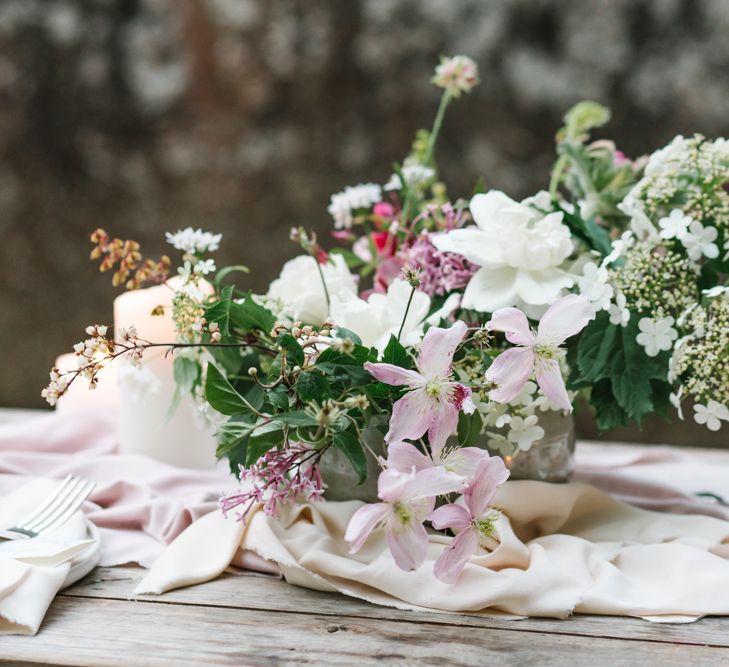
<point x="594" y="285"/>
<point x="619" y="314"/>
<point x="711" y="414"/>
<point x="352" y="198"/>
<point x="715" y="291"/>
<point x="524" y="431"/>
<point x="205" y="267"/>
<point x="520" y="253"/>
<point x="381" y="315"/>
<point x="675" y="225"/>
<point x="656" y="335"/>
<point x="640" y="224"/>
<point x="675" y="399"/>
<point x="526" y="396"/>
<point x="298" y="293"/>
<point x="699" y="241"/>
<point x="458" y="74"/>
<point x="415" y="175"/>
<point x="137" y="382"/>
<point x="666" y="159"/>
<point x="619" y="246"/>
<point x="194" y="241"/>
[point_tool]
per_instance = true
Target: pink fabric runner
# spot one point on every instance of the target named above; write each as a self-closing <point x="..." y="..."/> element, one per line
<point x="140" y="504"/>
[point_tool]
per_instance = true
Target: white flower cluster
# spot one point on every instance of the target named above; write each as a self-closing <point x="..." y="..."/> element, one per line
<point x="517" y="421"/>
<point x="414" y="174"/>
<point x="352" y="198"/>
<point x="458" y="74"/>
<point x="194" y="242"/>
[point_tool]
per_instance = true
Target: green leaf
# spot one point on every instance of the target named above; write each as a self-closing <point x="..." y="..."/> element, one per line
<point x="249" y="315"/>
<point x="358" y="356"/>
<point x="469" y="428"/>
<point x="295" y="418"/>
<point x="396" y="354"/>
<point x="278" y="398"/>
<point x="609" y="414"/>
<point x="221" y="395"/>
<point x="231" y="433"/>
<point x="599" y="237"/>
<point x="263" y="439"/>
<point x="220" y="311"/>
<point x="348" y="443"/>
<point x="226" y="271"/>
<point x="294" y="351"/>
<point x="341" y="332"/>
<point x="312" y="386"/>
<point x="595" y="347"/>
<point x="186" y="373"/>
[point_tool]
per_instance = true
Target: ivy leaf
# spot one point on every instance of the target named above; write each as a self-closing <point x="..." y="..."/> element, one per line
<point x="312" y="386"/>
<point x="469" y="428"/>
<point x="250" y="315"/>
<point x="348" y="443"/>
<point x="221" y="395"/>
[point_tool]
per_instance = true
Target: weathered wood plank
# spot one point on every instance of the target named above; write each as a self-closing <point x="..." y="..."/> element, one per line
<point x="100" y="633"/>
<point x="264" y="594"/>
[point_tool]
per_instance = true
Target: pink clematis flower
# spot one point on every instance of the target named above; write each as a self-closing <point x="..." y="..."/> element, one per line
<point x="472" y="522"/>
<point x="407" y="498"/>
<point x="404" y="457"/>
<point x="536" y="352"/>
<point x="435" y="400"/>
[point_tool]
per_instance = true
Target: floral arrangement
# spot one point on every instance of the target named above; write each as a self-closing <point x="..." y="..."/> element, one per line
<point x="457" y="323"/>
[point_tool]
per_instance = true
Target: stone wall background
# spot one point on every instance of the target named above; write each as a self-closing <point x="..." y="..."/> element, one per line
<point x="245" y="115"/>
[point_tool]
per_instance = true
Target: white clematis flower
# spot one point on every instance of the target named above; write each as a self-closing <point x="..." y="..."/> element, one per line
<point x="298" y="292"/>
<point x="656" y="335"/>
<point x="381" y="316"/>
<point x="519" y="251"/>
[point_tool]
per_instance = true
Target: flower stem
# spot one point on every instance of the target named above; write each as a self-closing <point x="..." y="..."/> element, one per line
<point x="324" y="283"/>
<point x="429" y="149"/>
<point x="407" y="310"/>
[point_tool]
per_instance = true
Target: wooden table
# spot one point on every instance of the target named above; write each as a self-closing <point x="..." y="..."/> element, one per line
<point x="256" y="620"/>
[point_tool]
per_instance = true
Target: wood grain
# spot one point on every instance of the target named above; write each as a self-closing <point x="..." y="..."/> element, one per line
<point x="272" y="595"/>
<point x="100" y="633"/>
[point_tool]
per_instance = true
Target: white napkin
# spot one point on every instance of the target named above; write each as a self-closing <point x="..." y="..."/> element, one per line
<point x="33" y="571"/>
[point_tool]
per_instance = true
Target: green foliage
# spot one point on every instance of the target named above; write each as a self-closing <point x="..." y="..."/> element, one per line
<point x="583" y="117"/>
<point x="219" y="311"/>
<point x="396" y="354"/>
<point x="348" y="443"/>
<point x="312" y="386"/>
<point x="469" y="428"/>
<point x="626" y="383"/>
<point x="249" y="316"/>
<point x="221" y="395"/>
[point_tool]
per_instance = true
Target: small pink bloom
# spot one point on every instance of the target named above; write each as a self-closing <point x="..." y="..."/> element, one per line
<point x="435" y="400"/>
<point x="404" y="457"/>
<point x="406" y="500"/>
<point x="536" y="353"/>
<point x="472" y="521"/>
<point x="384" y="210"/>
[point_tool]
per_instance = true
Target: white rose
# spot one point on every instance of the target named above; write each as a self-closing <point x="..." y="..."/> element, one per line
<point x="520" y="252"/>
<point x="299" y="292"/>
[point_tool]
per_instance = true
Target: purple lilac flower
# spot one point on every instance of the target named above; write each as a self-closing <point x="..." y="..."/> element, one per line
<point x="441" y="272"/>
<point x="279" y="477"/>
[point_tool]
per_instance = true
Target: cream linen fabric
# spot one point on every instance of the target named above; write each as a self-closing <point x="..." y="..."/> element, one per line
<point x="33" y="571"/>
<point x="561" y="549"/>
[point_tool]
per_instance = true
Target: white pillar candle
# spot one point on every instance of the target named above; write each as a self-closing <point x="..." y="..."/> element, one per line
<point x="78" y="396"/>
<point x="146" y="393"/>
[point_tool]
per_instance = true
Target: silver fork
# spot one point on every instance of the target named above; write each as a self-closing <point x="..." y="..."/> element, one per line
<point x="53" y="512"/>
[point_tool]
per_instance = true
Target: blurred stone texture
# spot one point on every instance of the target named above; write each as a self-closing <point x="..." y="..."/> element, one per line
<point x="245" y="115"/>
